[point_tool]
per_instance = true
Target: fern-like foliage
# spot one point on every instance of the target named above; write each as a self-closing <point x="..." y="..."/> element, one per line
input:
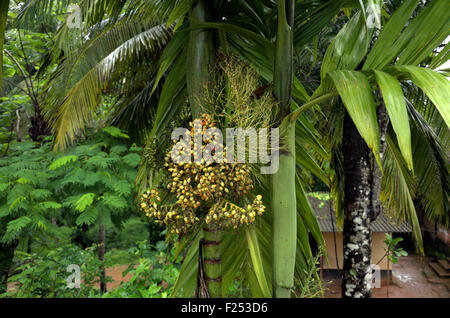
<point x="62" y="162"/>
<point x="27" y="199"/>
<point x="91" y="184"/>
<point x="100" y="183"/>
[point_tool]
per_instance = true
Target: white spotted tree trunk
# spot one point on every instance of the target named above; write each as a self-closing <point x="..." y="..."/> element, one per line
<point x="361" y="207"/>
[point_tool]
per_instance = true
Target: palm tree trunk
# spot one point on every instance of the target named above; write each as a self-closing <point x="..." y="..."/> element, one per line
<point x="199" y="58"/>
<point x="4" y="6"/>
<point x="212" y="260"/>
<point x="101" y="257"/>
<point x="283" y="196"/>
<point x="361" y="205"/>
<point x="357" y="236"/>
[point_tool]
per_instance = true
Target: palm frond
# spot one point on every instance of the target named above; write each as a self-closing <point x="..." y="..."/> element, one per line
<point x="91" y="72"/>
<point x="397" y="191"/>
<point x="431" y="167"/>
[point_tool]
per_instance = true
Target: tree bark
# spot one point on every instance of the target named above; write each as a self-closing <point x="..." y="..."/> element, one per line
<point x="357" y="236"/>
<point x="6" y="261"/>
<point x="361" y="206"/>
<point x="212" y="260"/>
<point x="101" y="257"/>
<point x="54" y="223"/>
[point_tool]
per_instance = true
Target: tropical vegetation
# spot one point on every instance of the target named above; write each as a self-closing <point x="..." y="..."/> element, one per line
<point x="92" y="90"/>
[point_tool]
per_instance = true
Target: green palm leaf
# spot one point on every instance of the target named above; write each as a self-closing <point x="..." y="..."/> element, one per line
<point x="396" y="107"/>
<point x="435" y="85"/>
<point x="80" y="102"/>
<point x="396" y="192"/>
<point x="348" y="48"/>
<point x="356" y="94"/>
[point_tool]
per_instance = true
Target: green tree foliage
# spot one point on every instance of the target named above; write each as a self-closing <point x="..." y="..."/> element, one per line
<point x="97" y="178"/>
<point x="4" y="7"/>
<point x="27" y="201"/>
<point x="41" y="192"/>
<point x="45" y="274"/>
<point x="153" y="277"/>
<point x="135" y="63"/>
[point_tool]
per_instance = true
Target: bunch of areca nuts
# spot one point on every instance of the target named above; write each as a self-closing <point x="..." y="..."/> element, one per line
<point x="177" y="220"/>
<point x="227" y="214"/>
<point x="204" y="189"/>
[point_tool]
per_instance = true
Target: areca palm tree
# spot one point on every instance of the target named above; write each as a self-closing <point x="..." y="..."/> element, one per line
<point x="199" y="58"/>
<point x="91" y="68"/>
<point x="372" y="124"/>
<point x="175" y="43"/>
<point x="365" y="126"/>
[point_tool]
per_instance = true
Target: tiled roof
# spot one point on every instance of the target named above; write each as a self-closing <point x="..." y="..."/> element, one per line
<point x="326" y="217"/>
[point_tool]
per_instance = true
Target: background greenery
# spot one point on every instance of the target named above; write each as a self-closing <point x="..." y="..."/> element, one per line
<point x="85" y="115"/>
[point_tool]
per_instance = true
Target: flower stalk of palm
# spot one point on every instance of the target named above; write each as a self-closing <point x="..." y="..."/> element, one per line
<point x="283" y="195"/>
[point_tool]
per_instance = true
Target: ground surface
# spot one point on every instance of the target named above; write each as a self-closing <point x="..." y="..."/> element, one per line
<point x="116" y="275"/>
<point x="411" y="278"/>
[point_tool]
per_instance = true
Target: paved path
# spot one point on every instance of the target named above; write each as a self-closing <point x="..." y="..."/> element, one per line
<point x="409" y="281"/>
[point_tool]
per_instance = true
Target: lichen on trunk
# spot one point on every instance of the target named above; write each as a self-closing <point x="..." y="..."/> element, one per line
<point x="361" y="206"/>
<point x="356" y="282"/>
